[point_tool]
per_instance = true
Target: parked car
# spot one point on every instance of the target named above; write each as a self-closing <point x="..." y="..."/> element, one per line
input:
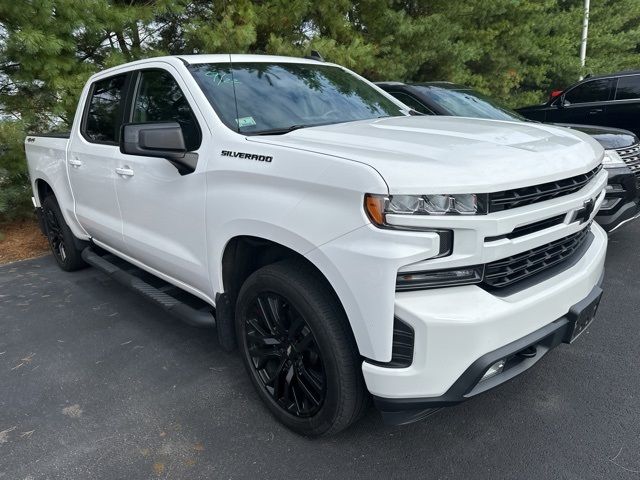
<point x="622" y="155"/>
<point x="606" y="100"/>
<point x="348" y="247"/>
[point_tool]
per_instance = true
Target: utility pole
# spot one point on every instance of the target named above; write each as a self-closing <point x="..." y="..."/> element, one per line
<point x="585" y="33"/>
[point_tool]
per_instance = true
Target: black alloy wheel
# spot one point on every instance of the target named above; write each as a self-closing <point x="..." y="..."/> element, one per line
<point x="64" y="246"/>
<point x="299" y="350"/>
<point x="54" y="235"/>
<point x="285" y="355"/>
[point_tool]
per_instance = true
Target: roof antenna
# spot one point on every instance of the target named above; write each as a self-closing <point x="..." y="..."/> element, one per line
<point x="315" y="55"/>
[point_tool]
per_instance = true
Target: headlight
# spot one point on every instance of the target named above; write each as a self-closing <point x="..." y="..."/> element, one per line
<point x="379" y="206"/>
<point x="612" y="159"/>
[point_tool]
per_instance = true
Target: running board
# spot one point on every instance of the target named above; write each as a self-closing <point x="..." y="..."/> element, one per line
<point x="174" y="300"/>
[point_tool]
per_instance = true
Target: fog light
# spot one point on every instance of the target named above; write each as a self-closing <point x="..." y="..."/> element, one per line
<point x="494" y="370"/>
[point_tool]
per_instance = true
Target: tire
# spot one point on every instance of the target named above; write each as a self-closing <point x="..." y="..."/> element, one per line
<point x="61" y="240"/>
<point x="299" y="350"/>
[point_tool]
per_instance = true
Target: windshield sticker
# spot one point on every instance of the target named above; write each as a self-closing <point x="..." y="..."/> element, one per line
<point x="245" y="122"/>
<point x="221" y="78"/>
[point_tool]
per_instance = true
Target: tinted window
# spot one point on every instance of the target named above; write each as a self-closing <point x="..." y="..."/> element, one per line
<point x="261" y="97"/>
<point x="594" y="91"/>
<point x="411" y="102"/>
<point x="467" y="103"/>
<point x="104" y="114"/>
<point x="160" y="99"/>
<point x="628" y="87"/>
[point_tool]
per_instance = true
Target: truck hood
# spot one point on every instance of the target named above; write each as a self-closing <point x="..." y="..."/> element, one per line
<point x="436" y="154"/>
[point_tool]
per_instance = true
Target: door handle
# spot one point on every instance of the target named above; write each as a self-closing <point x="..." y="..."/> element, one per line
<point x="595" y="110"/>
<point x="124" y="171"/>
<point x="75" y="162"/>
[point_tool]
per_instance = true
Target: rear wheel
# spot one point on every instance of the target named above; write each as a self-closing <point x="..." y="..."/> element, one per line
<point x="61" y="239"/>
<point x="298" y="349"/>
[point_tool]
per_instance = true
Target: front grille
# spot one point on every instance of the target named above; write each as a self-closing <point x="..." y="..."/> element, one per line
<point x="507" y="271"/>
<point x="631" y="156"/>
<point x="519" y="197"/>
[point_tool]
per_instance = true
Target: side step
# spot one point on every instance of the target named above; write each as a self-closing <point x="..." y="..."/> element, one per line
<point x="179" y="303"/>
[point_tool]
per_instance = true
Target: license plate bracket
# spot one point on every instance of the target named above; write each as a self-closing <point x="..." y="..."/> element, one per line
<point x="582" y="314"/>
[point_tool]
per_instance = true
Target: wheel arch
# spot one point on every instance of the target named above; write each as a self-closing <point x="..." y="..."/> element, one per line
<point x="43" y="187"/>
<point x="244" y="254"/>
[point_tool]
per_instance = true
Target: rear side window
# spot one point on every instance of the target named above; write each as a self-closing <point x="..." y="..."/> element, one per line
<point x="593" y="91"/>
<point x="160" y="99"/>
<point x="628" y="87"/>
<point x="412" y="102"/>
<point x="104" y="110"/>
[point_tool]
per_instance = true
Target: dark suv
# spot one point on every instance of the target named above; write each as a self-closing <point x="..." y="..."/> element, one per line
<point x="622" y="148"/>
<point x="608" y="100"/>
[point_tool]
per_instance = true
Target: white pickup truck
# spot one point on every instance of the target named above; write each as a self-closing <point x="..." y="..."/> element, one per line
<point x="350" y="249"/>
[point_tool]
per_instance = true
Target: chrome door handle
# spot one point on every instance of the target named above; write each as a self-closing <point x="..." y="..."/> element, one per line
<point x="75" y="162"/>
<point x="594" y="111"/>
<point x="124" y="171"/>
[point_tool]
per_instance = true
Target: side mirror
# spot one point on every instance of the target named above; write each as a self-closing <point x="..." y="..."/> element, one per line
<point x="554" y="94"/>
<point x="164" y="140"/>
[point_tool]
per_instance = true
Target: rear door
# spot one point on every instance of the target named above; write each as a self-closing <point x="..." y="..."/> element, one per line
<point x="163" y="210"/>
<point x="624" y="111"/>
<point x="585" y="103"/>
<point x="92" y="157"/>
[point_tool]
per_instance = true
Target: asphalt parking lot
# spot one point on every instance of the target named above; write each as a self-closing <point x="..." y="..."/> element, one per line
<point x="97" y="383"/>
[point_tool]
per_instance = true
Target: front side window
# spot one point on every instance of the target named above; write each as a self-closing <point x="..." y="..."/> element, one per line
<point x="262" y="98"/>
<point x="104" y="112"/>
<point x="628" y="87"/>
<point x="593" y="91"/>
<point x="160" y="99"/>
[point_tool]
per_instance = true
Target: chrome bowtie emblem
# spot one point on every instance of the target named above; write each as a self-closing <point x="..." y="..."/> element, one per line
<point x="584" y="214"/>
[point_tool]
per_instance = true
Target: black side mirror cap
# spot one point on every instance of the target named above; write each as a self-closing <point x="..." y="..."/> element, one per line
<point x="164" y="140"/>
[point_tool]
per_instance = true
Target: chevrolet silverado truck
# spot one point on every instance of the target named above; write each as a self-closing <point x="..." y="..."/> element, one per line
<point x="348" y="249"/>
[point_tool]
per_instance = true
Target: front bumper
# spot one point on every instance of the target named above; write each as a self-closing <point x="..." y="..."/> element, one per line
<point x="621" y="203"/>
<point x="459" y="329"/>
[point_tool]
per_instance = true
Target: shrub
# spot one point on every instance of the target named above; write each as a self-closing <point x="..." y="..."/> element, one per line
<point x="15" y="189"/>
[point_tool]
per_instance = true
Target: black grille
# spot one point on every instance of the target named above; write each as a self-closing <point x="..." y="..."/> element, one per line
<point x="507" y="271"/>
<point x="519" y="197"/>
<point x="631" y="156"/>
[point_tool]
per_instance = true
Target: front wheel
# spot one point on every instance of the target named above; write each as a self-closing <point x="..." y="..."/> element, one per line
<point x="298" y="349"/>
<point x="60" y="236"/>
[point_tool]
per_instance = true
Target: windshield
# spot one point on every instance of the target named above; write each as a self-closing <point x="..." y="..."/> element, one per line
<point x="468" y="103"/>
<point x="255" y="98"/>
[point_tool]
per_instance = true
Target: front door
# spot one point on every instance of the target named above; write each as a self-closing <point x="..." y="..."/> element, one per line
<point x="163" y="210"/>
<point x="583" y="104"/>
<point x="92" y="158"/>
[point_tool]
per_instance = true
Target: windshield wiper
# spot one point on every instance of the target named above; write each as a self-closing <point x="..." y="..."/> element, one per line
<point x="281" y="131"/>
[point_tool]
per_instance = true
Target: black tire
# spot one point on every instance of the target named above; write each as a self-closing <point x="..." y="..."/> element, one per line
<point x="294" y="358"/>
<point x="61" y="240"/>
